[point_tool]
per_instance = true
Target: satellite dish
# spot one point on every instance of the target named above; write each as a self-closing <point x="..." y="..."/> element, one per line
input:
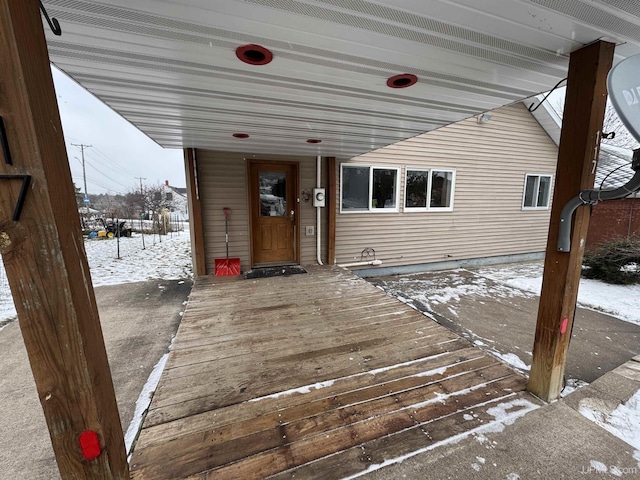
<point x="623" y="84"/>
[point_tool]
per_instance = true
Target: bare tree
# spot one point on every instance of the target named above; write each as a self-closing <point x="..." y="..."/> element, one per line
<point x="157" y="200"/>
<point x="612" y="124"/>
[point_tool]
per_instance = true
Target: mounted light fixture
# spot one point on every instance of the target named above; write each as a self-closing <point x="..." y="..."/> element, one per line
<point x="241" y="135"/>
<point x="484" y="118"/>
<point x="403" y="80"/>
<point x="254" y="54"/>
<point x="314" y="140"/>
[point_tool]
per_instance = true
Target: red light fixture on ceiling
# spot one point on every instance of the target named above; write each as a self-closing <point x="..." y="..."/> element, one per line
<point x="241" y="135"/>
<point x="403" y="80"/>
<point x="254" y="54"/>
<point x="314" y="140"/>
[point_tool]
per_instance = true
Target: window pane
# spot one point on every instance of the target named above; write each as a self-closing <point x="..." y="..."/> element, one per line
<point x="384" y="188"/>
<point x="441" y="189"/>
<point x="416" y="189"/>
<point x="355" y="188"/>
<point x="543" y="191"/>
<point x="273" y="194"/>
<point x="530" y="190"/>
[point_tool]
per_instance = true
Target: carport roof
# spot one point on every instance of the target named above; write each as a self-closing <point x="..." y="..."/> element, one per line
<point x="170" y="67"/>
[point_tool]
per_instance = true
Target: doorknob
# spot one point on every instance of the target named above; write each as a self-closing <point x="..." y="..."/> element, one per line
<point x="292" y="215"/>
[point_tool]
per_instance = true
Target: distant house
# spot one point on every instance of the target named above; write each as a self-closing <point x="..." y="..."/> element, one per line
<point x="178" y="198"/>
<point x="478" y="190"/>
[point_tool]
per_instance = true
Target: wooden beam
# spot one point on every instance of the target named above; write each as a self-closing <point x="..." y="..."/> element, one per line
<point x="45" y="260"/>
<point x="579" y="148"/>
<point x="195" y="212"/>
<point x="331" y="210"/>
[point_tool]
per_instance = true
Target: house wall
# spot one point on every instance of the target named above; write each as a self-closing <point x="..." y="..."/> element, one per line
<point x="491" y="161"/>
<point x="613" y="219"/>
<point x="222" y="178"/>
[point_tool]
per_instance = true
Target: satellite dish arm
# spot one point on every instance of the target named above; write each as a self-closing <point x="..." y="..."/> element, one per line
<point x="591" y="197"/>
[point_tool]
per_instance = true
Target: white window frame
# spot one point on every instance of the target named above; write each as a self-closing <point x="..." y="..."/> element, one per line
<point x="428" y="207"/>
<point x="371" y="168"/>
<point x="537" y="191"/>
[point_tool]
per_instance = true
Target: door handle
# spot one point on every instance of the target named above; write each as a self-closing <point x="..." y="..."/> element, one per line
<point x="292" y="216"/>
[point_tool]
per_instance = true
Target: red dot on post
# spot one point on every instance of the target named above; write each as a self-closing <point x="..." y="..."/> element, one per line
<point x="90" y="445"/>
<point x="563" y="326"/>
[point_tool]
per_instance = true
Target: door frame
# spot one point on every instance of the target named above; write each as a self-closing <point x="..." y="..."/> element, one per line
<point x="251" y="162"/>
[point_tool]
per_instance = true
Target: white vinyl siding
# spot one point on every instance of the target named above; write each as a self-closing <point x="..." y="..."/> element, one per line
<point x="490" y="162"/>
<point x="222" y="178"/>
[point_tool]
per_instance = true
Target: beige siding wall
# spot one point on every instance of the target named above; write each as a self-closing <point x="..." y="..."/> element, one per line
<point x="491" y="161"/>
<point x="223" y="183"/>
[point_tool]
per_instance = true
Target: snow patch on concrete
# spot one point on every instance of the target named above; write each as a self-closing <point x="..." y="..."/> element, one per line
<point x="623" y="422"/>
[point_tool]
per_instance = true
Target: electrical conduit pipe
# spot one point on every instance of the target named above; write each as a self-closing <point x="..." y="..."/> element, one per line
<point x="318" y="215"/>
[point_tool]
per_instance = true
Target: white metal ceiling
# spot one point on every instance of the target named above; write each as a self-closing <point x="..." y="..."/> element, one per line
<point x="170" y="68"/>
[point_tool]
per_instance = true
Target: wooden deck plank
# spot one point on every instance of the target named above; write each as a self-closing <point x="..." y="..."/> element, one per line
<point x="288" y="405"/>
<point x="285" y="376"/>
<point x="311" y="418"/>
<point x="178" y="402"/>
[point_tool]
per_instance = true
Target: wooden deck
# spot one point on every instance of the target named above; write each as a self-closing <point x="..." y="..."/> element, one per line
<point x="319" y="375"/>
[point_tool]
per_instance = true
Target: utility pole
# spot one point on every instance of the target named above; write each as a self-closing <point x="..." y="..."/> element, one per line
<point x="142" y="201"/>
<point x="82" y="146"/>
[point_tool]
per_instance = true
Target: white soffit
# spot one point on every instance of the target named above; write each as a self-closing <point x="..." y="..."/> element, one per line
<point x="170" y="67"/>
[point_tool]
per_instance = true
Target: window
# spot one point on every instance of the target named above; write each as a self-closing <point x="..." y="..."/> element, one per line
<point x="369" y="189"/>
<point x="429" y="190"/>
<point x="537" y="191"/>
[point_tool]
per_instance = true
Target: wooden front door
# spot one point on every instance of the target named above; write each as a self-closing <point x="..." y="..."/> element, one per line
<point x="273" y="188"/>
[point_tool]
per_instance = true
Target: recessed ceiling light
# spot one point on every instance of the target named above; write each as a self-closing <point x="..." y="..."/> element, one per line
<point x="314" y="140"/>
<point x="241" y="135"/>
<point x="254" y="54"/>
<point x="403" y="80"/>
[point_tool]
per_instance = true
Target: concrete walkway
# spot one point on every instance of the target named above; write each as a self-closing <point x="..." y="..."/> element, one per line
<point x="553" y="442"/>
<point x="502" y="320"/>
<point x="138" y="322"/>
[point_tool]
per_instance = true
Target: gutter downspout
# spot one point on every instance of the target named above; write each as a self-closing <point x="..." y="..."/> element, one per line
<point x="318" y="210"/>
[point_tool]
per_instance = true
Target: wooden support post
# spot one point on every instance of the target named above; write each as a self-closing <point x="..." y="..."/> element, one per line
<point x="45" y="260"/>
<point x="195" y="212"/>
<point x="331" y="210"/>
<point x="579" y="148"/>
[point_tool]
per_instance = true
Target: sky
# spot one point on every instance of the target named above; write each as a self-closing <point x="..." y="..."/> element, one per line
<point x="119" y="152"/>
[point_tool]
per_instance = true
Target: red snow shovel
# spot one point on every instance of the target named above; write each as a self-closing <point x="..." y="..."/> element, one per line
<point x="225" y="267"/>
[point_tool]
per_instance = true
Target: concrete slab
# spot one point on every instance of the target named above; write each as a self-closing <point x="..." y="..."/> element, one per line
<point x="630" y="370"/>
<point x="503" y="319"/>
<point x="138" y="321"/>
<point x="552" y="442"/>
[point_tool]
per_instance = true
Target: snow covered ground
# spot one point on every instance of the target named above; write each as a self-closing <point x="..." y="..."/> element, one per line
<point x="621" y="301"/>
<point x="168" y="260"/>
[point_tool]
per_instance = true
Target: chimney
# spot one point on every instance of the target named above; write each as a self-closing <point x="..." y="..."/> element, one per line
<point x="166" y="182"/>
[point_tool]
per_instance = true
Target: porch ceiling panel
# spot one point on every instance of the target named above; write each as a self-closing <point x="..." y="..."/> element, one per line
<point x="170" y="67"/>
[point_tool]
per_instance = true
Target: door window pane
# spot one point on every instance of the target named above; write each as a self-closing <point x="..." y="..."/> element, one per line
<point x="384" y="188"/>
<point x="273" y="194"/>
<point x="416" y="195"/>
<point x="355" y="188"/>
<point x="441" y="189"/>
